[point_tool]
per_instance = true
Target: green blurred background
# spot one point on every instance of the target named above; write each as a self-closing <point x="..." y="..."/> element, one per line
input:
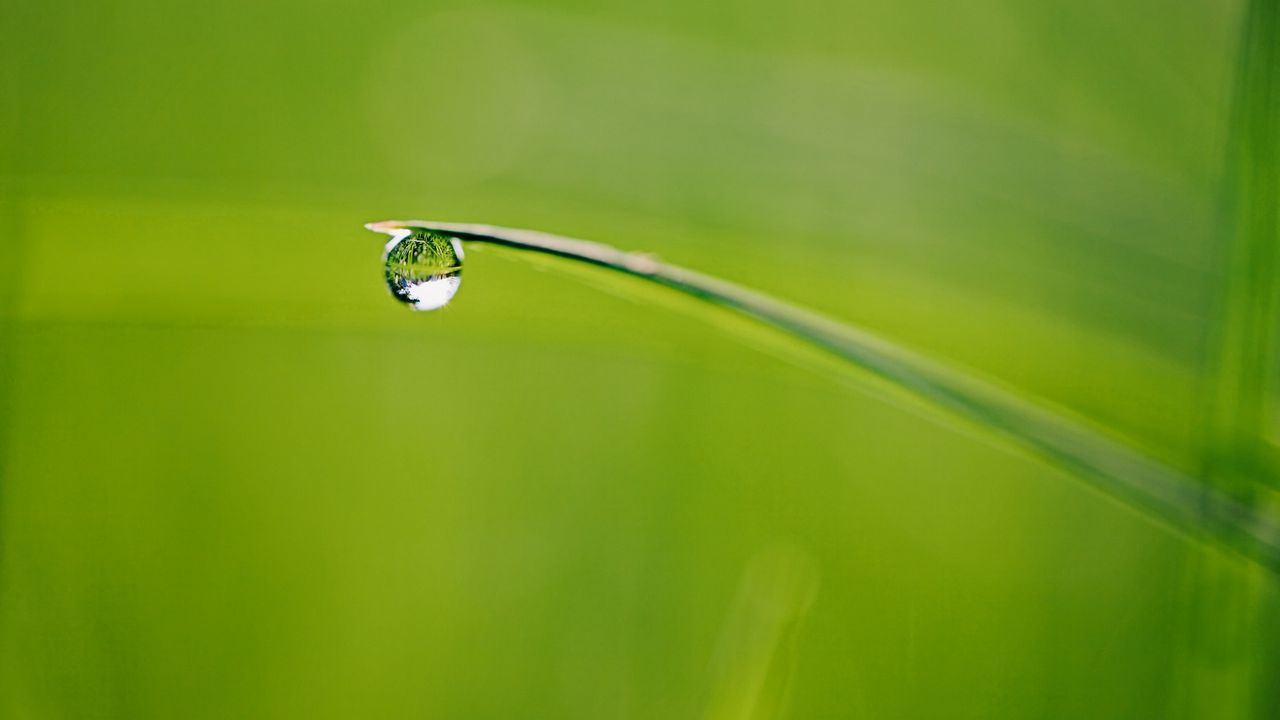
<point x="238" y="480"/>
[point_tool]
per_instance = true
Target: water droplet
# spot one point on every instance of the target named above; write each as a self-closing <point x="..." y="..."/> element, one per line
<point x="423" y="268"/>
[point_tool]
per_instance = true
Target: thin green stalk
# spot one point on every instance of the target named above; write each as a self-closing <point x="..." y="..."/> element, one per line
<point x="1223" y="670"/>
<point x="1164" y="492"/>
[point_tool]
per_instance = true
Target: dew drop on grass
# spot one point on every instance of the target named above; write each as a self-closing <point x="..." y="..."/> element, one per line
<point x="423" y="268"/>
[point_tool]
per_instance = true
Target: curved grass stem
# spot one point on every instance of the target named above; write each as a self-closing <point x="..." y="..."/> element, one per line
<point x="1179" y="499"/>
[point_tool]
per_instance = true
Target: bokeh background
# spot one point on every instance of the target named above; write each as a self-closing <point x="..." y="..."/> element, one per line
<point x="238" y="480"/>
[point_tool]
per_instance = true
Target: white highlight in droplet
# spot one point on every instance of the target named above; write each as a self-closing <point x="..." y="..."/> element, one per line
<point x="433" y="294"/>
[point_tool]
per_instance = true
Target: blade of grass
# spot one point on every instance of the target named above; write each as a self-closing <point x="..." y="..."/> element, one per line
<point x="1224" y="615"/>
<point x="1179" y="499"/>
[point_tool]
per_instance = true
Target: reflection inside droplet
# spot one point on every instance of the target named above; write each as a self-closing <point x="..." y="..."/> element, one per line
<point x="423" y="268"/>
